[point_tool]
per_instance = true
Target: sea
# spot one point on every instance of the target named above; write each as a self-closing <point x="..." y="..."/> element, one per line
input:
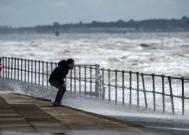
<point x="159" y="53"/>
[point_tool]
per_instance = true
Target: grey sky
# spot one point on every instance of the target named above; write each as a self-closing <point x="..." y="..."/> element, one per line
<point x="37" y="12"/>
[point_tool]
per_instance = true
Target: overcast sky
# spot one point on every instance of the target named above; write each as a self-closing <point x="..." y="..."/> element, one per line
<point x="38" y="12"/>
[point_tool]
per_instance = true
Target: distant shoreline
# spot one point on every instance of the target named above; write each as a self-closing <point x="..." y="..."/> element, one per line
<point x="120" y="26"/>
<point x="90" y="32"/>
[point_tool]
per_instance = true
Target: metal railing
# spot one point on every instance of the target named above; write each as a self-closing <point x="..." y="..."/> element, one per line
<point x="38" y="72"/>
<point x="160" y="92"/>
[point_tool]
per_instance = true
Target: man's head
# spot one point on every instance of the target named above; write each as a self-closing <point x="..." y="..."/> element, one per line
<point x="70" y="63"/>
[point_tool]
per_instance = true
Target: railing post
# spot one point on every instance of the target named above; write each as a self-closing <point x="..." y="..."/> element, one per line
<point x="163" y="92"/>
<point x="28" y="70"/>
<point x="79" y="79"/>
<point x="154" y="96"/>
<point x="31" y="71"/>
<point x="75" y="86"/>
<point x="11" y="68"/>
<point x="183" y="96"/>
<point x="137" y="74"/>
<point x="51" y="68"/>
<point x="123" y="87"/>
<point x="90" y="80"/>
<point x="35" y="72"/>
<point x="39" y="72"/>
<point x="97" y="79"/>
<point x="6" y="64"/>
<point x="3" y="68"/>
<point x="15" y="69"/>
<point x="103" y="87"/>
<point x="85" y="68"/>
<point x="116" y="86"/>
<point x="130" y="86"/>
<point x="47" y="73"/>
<point x="8" y="67"/>
<point x="109" y="91"/>
<point x="100" y="85"/>
<point x="25" y="70"/>
<point x="43" y="72"/>
<point x="18" y="68"/>
<point x="171" y="95"/>
<point x="21" y="68"/>
<point x="144" y="90"/>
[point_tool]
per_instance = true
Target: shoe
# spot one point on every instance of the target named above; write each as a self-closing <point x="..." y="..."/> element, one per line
<point x="56" y="104"/>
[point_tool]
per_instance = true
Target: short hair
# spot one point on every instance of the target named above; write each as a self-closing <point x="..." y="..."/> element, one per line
<point x="69" y="61"/>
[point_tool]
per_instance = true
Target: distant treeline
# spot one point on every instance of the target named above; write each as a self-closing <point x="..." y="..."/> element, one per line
<point x="152" y="25"/>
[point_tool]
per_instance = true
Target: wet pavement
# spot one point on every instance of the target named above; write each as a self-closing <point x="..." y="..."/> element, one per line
<point x="155" y="121"/>
<point x="20" y="114"/>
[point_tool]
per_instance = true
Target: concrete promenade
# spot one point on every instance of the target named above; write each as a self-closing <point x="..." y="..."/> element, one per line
<point x="23" y="113"/>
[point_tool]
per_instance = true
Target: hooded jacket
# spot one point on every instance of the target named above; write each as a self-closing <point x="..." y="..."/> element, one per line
<point x="60" y="72"/>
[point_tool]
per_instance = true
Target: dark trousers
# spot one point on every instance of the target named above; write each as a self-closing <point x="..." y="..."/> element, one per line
<point x="61" y="91"/>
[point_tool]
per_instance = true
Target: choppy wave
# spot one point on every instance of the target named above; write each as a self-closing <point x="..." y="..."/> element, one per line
<point x="161" y="53"/>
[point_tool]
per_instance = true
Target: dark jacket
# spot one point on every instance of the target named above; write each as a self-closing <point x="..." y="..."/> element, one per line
<point x="60" y="72"/>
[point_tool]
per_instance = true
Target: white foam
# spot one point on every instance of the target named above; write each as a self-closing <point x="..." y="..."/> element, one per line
<point x="163" y="49"/>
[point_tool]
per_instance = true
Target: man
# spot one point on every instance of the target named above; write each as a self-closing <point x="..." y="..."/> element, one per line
<point x="57" y="77"/>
